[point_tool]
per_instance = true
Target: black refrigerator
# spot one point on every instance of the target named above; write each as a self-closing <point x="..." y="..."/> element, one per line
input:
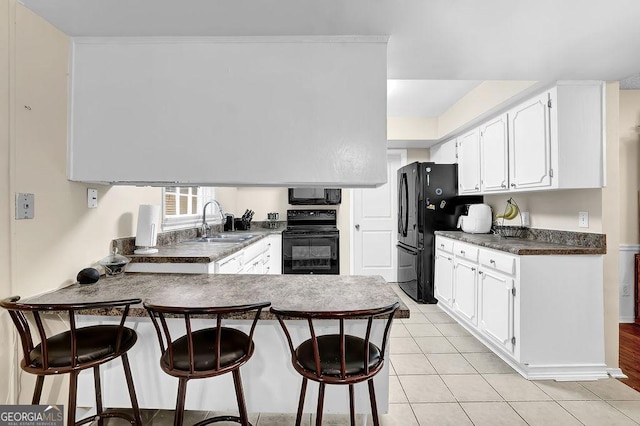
<point x="428" y="201"/>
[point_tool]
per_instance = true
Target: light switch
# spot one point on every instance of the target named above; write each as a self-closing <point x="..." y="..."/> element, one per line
<point x="92" y="198"/>
<point x="25" y="206"/>
<point x="583" y="219"/>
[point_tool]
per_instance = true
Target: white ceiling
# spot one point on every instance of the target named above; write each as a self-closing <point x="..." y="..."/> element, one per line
<point x="447" y="40"/>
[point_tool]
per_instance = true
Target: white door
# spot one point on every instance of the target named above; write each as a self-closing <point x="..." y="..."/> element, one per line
<point x="465" y="291"/>
<point x="443" y="278"/>
<point x="375" y="224"/>
<point x="469" y="162"/>
<point x="530" y="144"/>
<point x="495" y="155"/>
<point x="496" y="308"/>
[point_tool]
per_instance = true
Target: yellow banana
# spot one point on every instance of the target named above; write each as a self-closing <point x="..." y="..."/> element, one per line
<point x="508" y="212"/>
<point x="513" y="212"/>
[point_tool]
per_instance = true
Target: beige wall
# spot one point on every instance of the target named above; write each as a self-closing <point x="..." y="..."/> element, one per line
<point x="417" y="154"/>
<point x="611" y="206"/>
<point x="629" y="165"/>
<point x="65" y="236"/>
<point x="486" y="96"/>
<point x="412" y="128"/>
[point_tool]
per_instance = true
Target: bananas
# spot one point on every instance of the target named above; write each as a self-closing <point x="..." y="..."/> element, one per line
<point x="510" y="212"/>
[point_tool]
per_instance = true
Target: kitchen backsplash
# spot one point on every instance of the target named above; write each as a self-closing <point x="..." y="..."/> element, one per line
<point x="127" y="245"/>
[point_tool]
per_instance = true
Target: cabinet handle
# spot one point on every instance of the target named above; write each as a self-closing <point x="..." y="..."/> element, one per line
<point x="503" y="185"/>
<point x="477" y="187"/>
<point x="473" y="269"/>
<point x="492" y="261"/>
<point x="480" y="272"/>
<point x="513" y="185"/>
<point x="461" y="251"/>
<point x="442" y="245"/>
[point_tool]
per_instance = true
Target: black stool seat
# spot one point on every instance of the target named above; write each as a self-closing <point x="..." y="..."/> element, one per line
<point x="341" y="359"/>
<point x="94" y="343"/>
<point x="74" y="350"/>
<point x="234" y="345"/>
<point x="208" y="352"/>
<point x="329" y="349"/>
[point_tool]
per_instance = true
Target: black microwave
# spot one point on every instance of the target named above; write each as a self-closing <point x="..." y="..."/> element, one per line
<point x="315" y="196"/>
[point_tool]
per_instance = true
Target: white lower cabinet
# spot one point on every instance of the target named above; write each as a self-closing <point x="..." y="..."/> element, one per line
<point x="444" y="278"/>
<point x="542" y="314"/>
<point x="465" y="290"/>
<point x="495" y="307"/>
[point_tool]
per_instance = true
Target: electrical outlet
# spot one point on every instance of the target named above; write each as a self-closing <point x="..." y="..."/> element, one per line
<point x="625" y="290"/>
<point x="25" y="206"/>
<point x="526" y="220"/>
<point x="583" y="219"/>
<point x="92" y="198"/>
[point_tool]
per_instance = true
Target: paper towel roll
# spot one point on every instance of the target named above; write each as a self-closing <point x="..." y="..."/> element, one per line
<point x="147" y="232"/>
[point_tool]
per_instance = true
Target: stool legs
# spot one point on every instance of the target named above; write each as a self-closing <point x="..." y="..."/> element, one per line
<point x="242" y="408"/>
<point x="352" y="406"/>
<point x="37" y="391"/>
<point x="132" y="390"/>
<point x="374" y="405"/>
<point x="320" y="404"/>
<point x="303" y="391"/>
<point x="96" y="380"/>
<point x="182" y="393"/>
<point x="73" y="391"/>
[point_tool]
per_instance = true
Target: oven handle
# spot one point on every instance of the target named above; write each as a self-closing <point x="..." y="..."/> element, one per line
<point x="298" y="237"/>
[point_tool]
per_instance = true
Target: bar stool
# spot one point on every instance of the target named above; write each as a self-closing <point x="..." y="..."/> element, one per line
<point x="341" y="358"/>
<point x="206" y="352"/>
<point x="75" y="350"/>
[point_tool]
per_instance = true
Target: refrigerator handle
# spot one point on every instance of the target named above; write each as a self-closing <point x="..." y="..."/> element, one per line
<point x="420" y="195"/>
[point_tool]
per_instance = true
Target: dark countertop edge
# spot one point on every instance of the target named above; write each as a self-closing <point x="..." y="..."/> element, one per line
<point x="513" y="246"/>
<point x="137" y="311"/>
<point x="236" y="247"/>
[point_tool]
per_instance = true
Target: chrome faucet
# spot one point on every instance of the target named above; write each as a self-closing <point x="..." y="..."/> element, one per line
<point x="205" y="228"/>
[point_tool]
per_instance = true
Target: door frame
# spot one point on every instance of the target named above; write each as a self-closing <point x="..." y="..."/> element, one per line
<point x="394" y="210"/>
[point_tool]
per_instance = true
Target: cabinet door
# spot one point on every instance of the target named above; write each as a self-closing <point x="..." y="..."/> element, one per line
<point x="496" y="308"/>
<point x="494" y="155"/>
<point x="465" y="291"/>
<point x="469" y="162"/>
<point x="443" y="278"/>
<point x="530" y="144"/>
<point x="274" y="261"/>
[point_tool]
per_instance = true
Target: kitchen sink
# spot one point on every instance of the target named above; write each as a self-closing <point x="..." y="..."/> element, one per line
<point x="224" y="238"/>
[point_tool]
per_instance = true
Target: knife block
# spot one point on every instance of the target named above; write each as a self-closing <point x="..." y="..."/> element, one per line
<point x="242" y="225"/>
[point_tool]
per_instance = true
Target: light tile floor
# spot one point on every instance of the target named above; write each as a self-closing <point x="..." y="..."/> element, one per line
<point x="441" y="375"/>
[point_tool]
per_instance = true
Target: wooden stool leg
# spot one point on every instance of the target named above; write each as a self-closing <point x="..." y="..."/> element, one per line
<point x="98" y="390"/>
<point x="37" y="391"/>
<point x="73" y="391"/>
<point x="374" y="405"/>
<point x="352" y="406"/>
<point x="182" y="394"/>
<point x="242" y="408"/>
<point x="132" y="389"/>
<point x="303" y="392"/>
<point x="320" y="404"/>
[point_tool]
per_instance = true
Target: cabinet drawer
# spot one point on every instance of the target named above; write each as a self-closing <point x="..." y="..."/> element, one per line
<point x="444" y="244"/>
<point x="498" y="261"/>
<point x="465" y="251"/>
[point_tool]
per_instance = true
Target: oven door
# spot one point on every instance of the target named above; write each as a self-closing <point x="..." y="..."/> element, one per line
<point x="310" y="253"/>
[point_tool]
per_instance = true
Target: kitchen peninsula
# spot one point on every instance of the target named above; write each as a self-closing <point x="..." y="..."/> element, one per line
<point x="271" y="384"/>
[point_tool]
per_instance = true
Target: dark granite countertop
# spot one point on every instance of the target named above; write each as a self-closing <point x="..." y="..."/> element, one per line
<point x="295" y="292"/>
<point x="538" y="242"/>
<point x="199" y="252"/>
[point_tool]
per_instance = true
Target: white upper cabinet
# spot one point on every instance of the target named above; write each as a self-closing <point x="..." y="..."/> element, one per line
<point x="469" y="163"/>
<point x="494" y="155"/>
<point x="551" y="141"/>
<point x="444" y="153"/>
<point x="530" y="144"/>
<point x="270" y="111"/>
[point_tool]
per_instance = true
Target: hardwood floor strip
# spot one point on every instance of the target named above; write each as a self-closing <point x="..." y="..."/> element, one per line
<point x="629" y="358"/>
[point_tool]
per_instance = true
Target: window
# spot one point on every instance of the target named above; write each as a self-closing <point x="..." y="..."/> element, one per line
<point x="181" y="206"/>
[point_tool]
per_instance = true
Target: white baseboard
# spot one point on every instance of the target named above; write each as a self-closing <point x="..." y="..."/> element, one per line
<point x="616" y="373"/>
<point x="627" y="320"/>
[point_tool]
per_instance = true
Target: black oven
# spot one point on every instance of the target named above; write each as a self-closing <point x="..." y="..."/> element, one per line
<point x="311" y="243"/>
